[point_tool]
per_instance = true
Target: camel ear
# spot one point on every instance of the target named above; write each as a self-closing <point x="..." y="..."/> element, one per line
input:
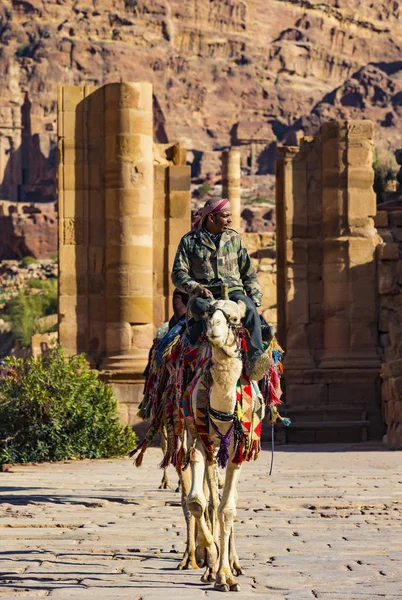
<point x="242" y="308"/>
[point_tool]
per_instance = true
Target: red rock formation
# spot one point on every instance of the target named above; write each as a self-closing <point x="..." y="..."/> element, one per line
<point x="213" y="64"/>
<point x="27" y="230"/>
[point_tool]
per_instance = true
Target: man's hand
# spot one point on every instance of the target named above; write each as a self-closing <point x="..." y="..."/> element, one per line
<point x="203" y="292"/>
<point x="259" y="310"/>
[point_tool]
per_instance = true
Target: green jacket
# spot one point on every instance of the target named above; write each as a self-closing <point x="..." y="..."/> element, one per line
<point x="199" y="262"/>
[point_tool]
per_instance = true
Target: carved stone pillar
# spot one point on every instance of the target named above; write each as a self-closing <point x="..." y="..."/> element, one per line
<point x="129" y="182"/>
<point x="231" y="184"/>
<point x="350" y="240"/>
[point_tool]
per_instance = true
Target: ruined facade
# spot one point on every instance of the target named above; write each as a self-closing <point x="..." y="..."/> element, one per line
<point x="327" y="285"/>
<point x="124" y="204"/>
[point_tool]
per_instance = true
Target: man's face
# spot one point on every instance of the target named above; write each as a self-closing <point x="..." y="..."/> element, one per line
<point x="219" y="222"/>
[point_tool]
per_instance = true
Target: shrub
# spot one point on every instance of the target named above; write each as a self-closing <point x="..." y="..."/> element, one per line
<point x="385" y="170"/>
<point x="25" y="310"/>
<point x="28" y="260"/>
<point x="54" y="408"/>
<point x="204" y="190"/>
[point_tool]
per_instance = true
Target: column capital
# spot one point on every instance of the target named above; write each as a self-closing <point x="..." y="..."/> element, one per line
<point x="288" y="152"/>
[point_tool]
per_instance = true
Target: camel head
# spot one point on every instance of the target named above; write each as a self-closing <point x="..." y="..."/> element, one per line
<point x="224" y="317"/>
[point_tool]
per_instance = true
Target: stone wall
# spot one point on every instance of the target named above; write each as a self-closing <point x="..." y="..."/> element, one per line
<point x="327" y="302"/>
<point x="389" y="226"/>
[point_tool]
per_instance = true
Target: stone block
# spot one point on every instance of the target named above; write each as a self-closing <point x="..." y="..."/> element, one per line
<point x="130" y="257"/>
<point x="360" y="156"/>
<point x="73" y="260"/>
<point x="97" y="232"/>
<point x="129" y="121"/>
<point x="361" y="250"/>
<point x="385" y="235"/>
<point x="388" y="251"/>
<point x="387" y="278"/>
<point x="97" y="307"/>
<point x="361" y="202"/>
<point x="71" y="284"/>
<point x="74" y="177"/>
<point x="129" y="310"/>
<point x="72" y="308"/>
<point x="128" y="95"/>
<point x="72" y="203"/>
<point x="395" y="218"/>
<point x="142" y="336"/>
<point x="70" y="151"/>
<point x="72" y="96"/>
<point x="179" y="178"/>
<point x="124" y="202"/>
<point x="336" y="333"/>
<point x="299" y="394"/>
<point x="381" y="218"/>
<point x="297" y="251"/>
<point x="118" y="336"/>
<point x="268" y="287"/>
<point x="179" y="206"/>
<point x="72" y="125"/>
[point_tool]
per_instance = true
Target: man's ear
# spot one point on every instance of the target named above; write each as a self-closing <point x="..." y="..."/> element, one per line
<point x="242" y="308"/>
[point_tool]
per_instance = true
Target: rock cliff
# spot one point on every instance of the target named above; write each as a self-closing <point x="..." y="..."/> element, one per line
<point x="287" y="64"/>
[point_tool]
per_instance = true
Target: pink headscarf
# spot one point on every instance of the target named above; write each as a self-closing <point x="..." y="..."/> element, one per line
<point x="211" y="206"/>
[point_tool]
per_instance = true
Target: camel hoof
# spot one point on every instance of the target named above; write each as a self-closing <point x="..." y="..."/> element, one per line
<point x="221" y="587"/>
<point x="178" y="489"/>
<point x="235" y="587"/>
<point x="188" y="562"/>
<point x="237" y="570"/>
<point x="164" y="486"/>
<point x="208" y="576"/>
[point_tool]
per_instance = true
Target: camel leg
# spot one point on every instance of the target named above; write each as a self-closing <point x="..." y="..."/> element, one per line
<point x="211" y="513"/>
<point x="165" y="484"/>
<point x="188" y="561"/>
<point x="206" y="553"/>
<point x="233" y="556"/>
<point x="225" y="579"/>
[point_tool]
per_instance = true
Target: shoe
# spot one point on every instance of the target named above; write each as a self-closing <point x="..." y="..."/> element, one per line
<point x="260" y="367"/>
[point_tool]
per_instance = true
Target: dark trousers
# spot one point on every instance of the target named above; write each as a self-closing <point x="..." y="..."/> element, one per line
<point x="251" y="322"/>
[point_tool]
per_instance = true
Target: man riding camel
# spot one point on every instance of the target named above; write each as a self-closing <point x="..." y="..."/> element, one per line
<point x="212" y="254"/>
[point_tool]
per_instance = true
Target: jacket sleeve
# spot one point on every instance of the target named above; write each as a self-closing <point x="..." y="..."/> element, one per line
<point x="180" y="276"/>
<point x="249" y="276"/>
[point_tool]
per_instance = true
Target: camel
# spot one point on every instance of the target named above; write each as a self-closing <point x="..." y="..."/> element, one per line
<point x="213" y="415"/>
<point x="226" y="368"/>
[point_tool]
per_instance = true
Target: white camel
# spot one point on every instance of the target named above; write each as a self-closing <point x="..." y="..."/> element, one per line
<point x="200" y="499"/>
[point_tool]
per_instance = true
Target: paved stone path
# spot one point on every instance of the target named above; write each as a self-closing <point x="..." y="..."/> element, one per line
<point x="327" y="525"/>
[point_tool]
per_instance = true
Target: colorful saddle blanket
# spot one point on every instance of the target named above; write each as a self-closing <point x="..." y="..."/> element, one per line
<point x="175" y="369"/>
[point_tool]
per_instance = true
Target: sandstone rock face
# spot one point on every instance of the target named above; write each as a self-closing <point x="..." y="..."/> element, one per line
<point x="288" y="65"/>
<point x="27" y="230"/>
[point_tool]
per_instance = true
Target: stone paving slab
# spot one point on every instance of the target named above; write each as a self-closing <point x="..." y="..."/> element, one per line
<point x="326" y="525"/>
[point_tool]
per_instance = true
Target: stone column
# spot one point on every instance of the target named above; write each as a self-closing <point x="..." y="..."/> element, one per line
<point x="129" y="183"/>
<point x="73" y="224"/>
<point x="231" y="184"/>
<point x="293" y="283"/>
<point x="349" y="271"/>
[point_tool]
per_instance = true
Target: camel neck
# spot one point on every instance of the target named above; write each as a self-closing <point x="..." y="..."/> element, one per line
<point x="225" y="372"/>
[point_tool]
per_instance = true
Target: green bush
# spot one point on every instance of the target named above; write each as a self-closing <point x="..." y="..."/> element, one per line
<point x="54" y="408"/>
<point x="204" y="190"/>
<point x="28" y="260"/>
<point x="25" y="310"/>
<point x="385" y="170"/>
